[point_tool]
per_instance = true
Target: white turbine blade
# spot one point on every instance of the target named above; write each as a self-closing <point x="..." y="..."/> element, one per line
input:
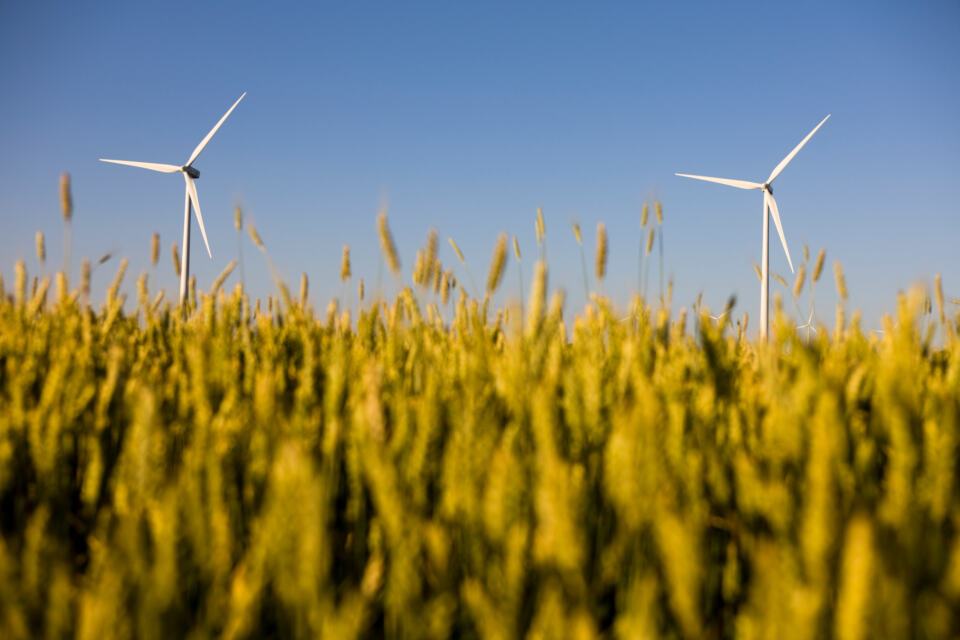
<point x="739" y="184"/>
<point x="772" y="204"/>
<point x="153" y="166"/>
<point x="783" y="163"/>
<point x="192" y="191"/>
<point x="203" y="143"/>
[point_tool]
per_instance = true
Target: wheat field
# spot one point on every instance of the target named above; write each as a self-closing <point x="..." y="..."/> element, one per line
<point x="429" y="466"/>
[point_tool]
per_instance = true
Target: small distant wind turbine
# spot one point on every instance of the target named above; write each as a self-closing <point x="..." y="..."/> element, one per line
<point x="809" y="325"/>
<point x="189" y="175"/>
<point x="731" y="303"/>
<point x="769" y="205"/>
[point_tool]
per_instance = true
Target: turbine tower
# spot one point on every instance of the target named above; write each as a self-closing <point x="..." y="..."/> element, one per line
<point x="769" y="208"/>
<point x="190" y="174"/>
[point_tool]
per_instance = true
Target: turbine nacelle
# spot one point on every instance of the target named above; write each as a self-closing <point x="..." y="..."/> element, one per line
<point x="767" y="187"/>
<point x="190" y="171"/>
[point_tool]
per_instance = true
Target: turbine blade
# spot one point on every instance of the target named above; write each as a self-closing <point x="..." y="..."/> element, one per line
<point x="740" y="184"/>
<point x="203" y="143"/>
<point x="153" y="166"/>
<point x="192" y="191"/>
<point x="783" y="163"/>
<point x="772" y="204"/>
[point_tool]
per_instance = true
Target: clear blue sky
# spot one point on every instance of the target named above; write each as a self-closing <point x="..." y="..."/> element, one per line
<point x="467" y="118"/>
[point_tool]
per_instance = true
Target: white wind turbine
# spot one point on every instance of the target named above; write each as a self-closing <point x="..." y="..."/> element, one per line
<point x="189" y="175"/>
<point x="769" y="205"/>
<point x="808" y="325"/>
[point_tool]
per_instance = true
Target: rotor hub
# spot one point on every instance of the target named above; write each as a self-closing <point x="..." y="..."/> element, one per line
<point x="190" y="171"/>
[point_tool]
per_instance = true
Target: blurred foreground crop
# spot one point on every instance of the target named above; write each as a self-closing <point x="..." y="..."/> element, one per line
<point x="238" y="471"/>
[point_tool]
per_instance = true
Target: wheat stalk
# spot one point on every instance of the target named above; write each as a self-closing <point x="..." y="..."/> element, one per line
<point x="541" y="233"/>
<point x="387" y="245"/>
<point x="583" y="259"/>
<point x="497" y="264"/>
<point x="466" y="267"/>
<point x="840" y="281"/>
<point x="601" y="254"/>
<point x="345" y="264"/>
<point x="154" y="248"/>
<point x="938" y="290"/>
<point x="66" y="210"/>
<point x="818" y="266"/>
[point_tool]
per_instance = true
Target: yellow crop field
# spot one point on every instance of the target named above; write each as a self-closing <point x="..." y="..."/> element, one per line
<point x="433" y="467"/>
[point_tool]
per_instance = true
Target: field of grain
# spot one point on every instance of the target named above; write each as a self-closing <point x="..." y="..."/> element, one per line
<point x="432" y="467"/>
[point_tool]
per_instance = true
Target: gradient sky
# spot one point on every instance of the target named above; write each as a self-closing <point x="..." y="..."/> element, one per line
<point x="466" y="118"/>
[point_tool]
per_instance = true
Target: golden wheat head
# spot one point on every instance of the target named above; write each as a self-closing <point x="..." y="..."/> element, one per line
<point x="497" y="264"/>
<point x="386" y="244"/>
<point x="66" y="199"/>
<point x="601" y="258"/>
<point x="345" y="264"/>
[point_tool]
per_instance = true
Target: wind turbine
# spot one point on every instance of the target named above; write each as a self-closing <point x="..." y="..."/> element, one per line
<point x="721" y="316"/>
<point x="769" y="207"/>
<point x="190" y="197"/>
<point x="808" y="325"/>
